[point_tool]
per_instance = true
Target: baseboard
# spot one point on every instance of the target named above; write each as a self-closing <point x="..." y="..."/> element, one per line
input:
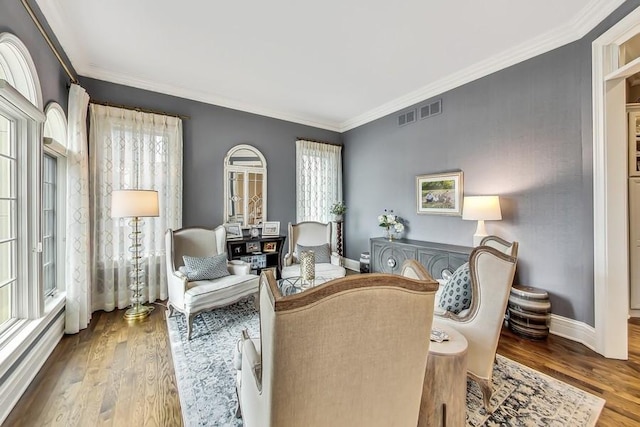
<point x="29" y="365"/>
<point x="634" y="313"/>
<point x="351" y="264"/>
<point x="573" y="330"/>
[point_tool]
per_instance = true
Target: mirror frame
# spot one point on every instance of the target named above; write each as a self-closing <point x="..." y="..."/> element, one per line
<point x="246" y="170"/>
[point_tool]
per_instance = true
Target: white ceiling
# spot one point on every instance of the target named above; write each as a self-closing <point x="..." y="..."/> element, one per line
<point x="334" y="64"/>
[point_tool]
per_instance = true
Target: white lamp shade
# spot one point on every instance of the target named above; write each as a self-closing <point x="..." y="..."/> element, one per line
<point x="132" y="203"/>
<point x="479" y="208"/>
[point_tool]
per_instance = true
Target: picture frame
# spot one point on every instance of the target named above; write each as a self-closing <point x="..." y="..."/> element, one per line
<point x="271" y="228"/>
<point x="439" y="194"/>
<point x="234" y="231"/>
<point x="253" y="247"/>
<point x="269" y="246"/>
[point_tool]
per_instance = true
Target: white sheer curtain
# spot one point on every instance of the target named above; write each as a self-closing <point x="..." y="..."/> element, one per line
<point x="132" y="150"/>
<point x="318" y="180"/>
<point x="78" y="272"/>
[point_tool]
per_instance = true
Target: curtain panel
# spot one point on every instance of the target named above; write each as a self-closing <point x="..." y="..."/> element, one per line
<point x="132" y="150"/>
<point x="318" y="180"/>
<point x="77" y="259"/>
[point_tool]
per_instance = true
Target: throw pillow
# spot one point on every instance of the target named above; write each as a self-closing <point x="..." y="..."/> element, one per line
<point x="322" y="252"/>
<point x="207" y="268"/>
<point x="456" y="293"/>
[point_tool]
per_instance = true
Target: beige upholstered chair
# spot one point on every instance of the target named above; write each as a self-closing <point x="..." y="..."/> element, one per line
<point x="308" y="234"/>
<point x="193" y="297"/>
<point x="492" y="274"/>
<point x="509" y="248"/>
<point x="350" y="352"/>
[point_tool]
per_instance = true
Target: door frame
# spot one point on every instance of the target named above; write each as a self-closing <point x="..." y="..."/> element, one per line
<point x="610" y="204"/>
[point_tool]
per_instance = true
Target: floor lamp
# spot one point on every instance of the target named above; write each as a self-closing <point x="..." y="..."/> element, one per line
<point x="135" y="204"/>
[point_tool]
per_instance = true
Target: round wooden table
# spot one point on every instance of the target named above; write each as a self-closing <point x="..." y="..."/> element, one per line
<point x="444" y="394"/>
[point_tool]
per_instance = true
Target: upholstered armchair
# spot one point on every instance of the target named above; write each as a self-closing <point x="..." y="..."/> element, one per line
<point x="214" y="282"/>
<point x="314" y="236"/>
<point x="350" y="352"/>
<point x="491" y="275"/>
<point x="509" y="248"/>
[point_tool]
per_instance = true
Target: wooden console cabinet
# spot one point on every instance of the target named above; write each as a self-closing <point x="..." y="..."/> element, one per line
<point x="388" y="256"/>
<point x="260" y="252"/>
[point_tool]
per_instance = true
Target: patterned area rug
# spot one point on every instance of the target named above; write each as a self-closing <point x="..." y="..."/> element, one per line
<point x="206" y="379"/>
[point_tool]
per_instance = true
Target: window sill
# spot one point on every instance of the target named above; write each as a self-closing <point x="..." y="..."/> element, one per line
<point x="23" y="334"/>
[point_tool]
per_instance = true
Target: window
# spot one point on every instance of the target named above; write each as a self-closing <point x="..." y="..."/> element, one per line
<point x="49" y="223"/>
<point x="54" y="173"/>
<point x="20" y="244"/>
<point x="318" y="180"/>
<point x="8" y="220"/>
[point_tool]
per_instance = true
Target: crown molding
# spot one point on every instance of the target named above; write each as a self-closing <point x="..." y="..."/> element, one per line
<point x="202" y="96"/>
<point x="589" y="17"/>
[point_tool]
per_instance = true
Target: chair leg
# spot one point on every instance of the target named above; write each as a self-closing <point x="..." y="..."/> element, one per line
<point x="238" y="410"/>
<point x="485" y="387"/>
<point x="189" y="325"/>
<point x="169" y="309"/>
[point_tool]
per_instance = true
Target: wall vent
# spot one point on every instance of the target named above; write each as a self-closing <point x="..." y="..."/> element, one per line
<point x="407" y="117"/>
<point x="431" y="109"/>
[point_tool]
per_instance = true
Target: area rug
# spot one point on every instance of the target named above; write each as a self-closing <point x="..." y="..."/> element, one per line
<point x="206" y="379"/>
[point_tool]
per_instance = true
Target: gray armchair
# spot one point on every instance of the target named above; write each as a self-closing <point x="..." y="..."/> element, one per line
<point x="192" y="297"/>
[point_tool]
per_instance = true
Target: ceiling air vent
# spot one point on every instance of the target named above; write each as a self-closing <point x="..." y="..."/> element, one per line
<point x="407" y="117"/>
<point x="431" y="109"/>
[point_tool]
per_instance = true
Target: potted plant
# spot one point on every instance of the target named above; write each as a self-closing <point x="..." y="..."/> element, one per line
<point x="338" y="210"/>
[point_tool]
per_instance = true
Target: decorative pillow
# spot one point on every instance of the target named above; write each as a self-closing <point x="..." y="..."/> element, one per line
<point x="208" y="268"/>
<point x="322" y="252"/>
<point x="456" y="293"/>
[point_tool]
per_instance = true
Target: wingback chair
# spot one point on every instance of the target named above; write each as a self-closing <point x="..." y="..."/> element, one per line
<point x="350" y="352"/>
<point x="509" y="248"/>
<point x="492" y="275"/>
<point x="193" y="297"/>
<point x="316" y="236"/>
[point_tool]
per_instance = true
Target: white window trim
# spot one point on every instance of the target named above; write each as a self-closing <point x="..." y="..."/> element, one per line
<point x="57" y="150"/>
<point x="28" y="131"/>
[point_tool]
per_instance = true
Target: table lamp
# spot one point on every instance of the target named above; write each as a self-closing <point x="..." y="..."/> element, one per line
<point x="135" y="204"/>
<point x="481" y="209"/>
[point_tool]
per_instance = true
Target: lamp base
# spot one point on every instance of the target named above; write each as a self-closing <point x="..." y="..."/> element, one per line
<point x="481" y="233"/>
<point x="137" y="312"/>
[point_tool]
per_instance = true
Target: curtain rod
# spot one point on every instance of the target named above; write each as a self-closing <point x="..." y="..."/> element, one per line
<point x="141" y="110"/>
<point x="49" y="42"/>
<point x="319" y="142"/>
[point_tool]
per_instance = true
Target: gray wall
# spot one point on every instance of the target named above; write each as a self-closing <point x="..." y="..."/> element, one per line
<point x="523" y="133"/>
<point x="209" y="133"/>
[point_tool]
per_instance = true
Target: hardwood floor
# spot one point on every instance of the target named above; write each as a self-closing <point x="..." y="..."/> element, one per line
<point x="118" y="374"/>
<point x="112" y="374"/>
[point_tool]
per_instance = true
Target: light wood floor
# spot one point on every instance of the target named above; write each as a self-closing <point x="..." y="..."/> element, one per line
<point x="117" y="374"/>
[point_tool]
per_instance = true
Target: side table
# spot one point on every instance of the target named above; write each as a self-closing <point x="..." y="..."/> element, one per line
<point x="444" y="394"/>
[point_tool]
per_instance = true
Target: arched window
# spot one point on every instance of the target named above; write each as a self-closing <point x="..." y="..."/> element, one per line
<point x="21" y="117"/>
<point x="18" y="69"/>
<point x="54" y="174"/>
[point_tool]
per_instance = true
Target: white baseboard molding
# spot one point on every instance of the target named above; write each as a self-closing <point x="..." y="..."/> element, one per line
<point x="573" y="330"/>
<point x="29" y="365"/>
<point x="634" y="313"/>
<point x="351" y="264"/>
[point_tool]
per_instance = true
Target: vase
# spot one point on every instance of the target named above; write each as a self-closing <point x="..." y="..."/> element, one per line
<point x="389" y="234"/>
<point x="308" y="265"/>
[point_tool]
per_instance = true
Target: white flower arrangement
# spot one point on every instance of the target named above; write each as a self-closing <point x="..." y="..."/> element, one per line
<point x="390" y="221"/>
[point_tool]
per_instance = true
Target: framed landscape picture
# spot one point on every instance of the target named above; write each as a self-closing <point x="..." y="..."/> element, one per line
<point x="234" y="231"/>
<point x="271" y="228"/>
<point x="439" y="194"/>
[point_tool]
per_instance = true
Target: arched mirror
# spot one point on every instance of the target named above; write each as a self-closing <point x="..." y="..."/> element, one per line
<point x="245" y="186"/>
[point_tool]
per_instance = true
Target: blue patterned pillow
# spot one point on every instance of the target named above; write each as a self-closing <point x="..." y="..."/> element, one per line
<point x="322" y="252"/>
<point x="456" y="294"/>
<point x="208" y="268"/>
